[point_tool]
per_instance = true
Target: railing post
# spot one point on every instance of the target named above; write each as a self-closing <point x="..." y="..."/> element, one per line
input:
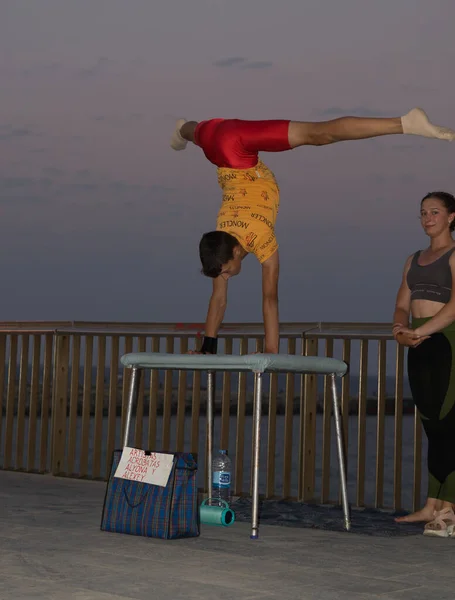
<point x="398" y="429"/>
<point x="59" y="403"/>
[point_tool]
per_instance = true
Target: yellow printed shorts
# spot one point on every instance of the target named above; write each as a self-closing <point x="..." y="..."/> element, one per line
<point x="251" y="199"/>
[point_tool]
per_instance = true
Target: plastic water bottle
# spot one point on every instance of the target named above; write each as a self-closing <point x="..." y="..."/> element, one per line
<point x="221" y="478"/>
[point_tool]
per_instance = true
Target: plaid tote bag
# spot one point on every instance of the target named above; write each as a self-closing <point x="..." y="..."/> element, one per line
<point x="150" y="510"/>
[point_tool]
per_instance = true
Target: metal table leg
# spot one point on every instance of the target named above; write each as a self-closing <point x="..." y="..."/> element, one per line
<point x="210" y="403"/>
<point x="256" y="446"/>
<point x="341" y="457"/>
<point x="132" y="399"/>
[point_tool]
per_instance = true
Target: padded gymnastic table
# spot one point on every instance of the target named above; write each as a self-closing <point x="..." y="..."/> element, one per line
<point x="259" y="364"/>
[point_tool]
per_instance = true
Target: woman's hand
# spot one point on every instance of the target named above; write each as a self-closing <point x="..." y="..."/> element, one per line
<point x="408" y="337"/>
<point x="397" y="327"/>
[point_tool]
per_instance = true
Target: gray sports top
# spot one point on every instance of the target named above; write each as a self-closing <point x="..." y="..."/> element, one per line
<point x="433" y="281"/>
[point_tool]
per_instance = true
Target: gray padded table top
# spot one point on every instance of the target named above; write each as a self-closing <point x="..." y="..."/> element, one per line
<point x="259" y="363"/>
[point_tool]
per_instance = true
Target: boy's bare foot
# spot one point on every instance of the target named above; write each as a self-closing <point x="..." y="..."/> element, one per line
<point x="177" y="141"/>
<point x="416" y="122"/>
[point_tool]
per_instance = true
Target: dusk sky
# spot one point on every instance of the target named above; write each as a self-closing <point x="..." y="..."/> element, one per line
<point x="101" y="220"/>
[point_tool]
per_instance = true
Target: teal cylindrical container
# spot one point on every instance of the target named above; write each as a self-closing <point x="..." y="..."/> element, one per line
<point x="222" y="516"/>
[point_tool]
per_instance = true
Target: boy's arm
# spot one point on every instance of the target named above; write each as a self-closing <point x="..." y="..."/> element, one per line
<point x="270" y="275"/>
<point x="216" y="310"/>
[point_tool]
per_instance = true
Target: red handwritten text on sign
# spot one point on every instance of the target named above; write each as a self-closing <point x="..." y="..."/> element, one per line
<point x="151" y="468"/>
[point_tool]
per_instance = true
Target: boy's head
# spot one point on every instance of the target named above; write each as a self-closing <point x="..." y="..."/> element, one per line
<point x="220" y="254"/>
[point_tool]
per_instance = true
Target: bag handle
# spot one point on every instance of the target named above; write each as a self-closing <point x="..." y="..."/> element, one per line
<point x="219" y="500"/>
<point x="128" y="501"/>
<point x="190" y="465"/>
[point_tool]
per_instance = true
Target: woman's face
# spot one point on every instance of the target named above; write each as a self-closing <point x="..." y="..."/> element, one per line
<point x="435" y="217"/>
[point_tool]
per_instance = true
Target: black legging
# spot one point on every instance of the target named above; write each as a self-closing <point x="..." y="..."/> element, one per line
<point x="431" y="371"/>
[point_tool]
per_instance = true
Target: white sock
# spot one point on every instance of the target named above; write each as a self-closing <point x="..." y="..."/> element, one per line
<point x="416" y="122"/>
<point x="177" y="142"/>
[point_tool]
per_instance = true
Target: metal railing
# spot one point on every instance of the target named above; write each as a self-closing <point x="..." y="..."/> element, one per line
<point x="64" y="395"/>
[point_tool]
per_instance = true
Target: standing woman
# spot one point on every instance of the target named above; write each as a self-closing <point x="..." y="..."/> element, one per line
<point x="427" y="293"/>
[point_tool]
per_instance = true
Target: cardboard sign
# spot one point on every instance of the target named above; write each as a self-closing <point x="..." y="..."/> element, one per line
<point x="136" y="465"/>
